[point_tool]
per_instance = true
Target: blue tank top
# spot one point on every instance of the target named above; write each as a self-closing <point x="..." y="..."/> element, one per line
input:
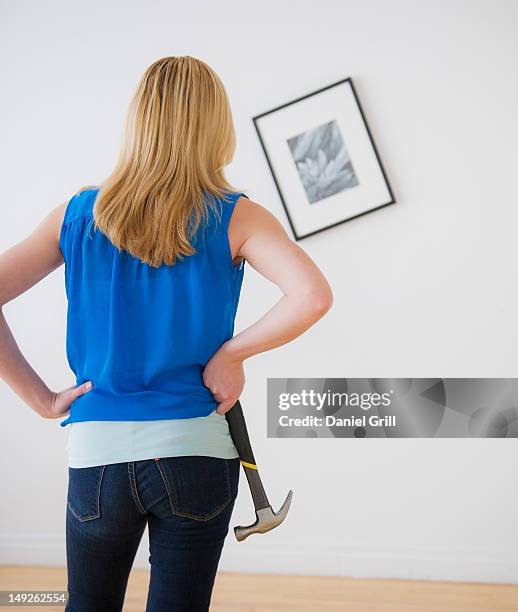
<point x="143" y="335"/>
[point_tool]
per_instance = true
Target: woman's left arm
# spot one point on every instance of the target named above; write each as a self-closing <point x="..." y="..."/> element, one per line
<point x="21" y="267"/>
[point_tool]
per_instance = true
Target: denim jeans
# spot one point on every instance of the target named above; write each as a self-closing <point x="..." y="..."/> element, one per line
<point x="186" y="502"/>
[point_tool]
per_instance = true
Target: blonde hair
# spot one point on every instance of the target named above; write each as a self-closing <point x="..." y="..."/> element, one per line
<point x="178" y="138"/>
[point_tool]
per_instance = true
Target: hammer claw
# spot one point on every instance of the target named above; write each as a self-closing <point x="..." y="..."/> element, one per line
<point x="266" y="520"/>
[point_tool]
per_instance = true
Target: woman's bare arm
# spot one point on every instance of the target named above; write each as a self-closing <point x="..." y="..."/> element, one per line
<point x="22" y="266"/>
<point x="257" y="235"/>
<point x="307" y="295"/>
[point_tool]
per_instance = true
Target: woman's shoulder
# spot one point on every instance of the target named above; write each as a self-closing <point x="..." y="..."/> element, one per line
<point x="76" y="206"/>
<point x="251" y="216"/>
<point x="251" y="219"/>
<point x="80" y="205"/>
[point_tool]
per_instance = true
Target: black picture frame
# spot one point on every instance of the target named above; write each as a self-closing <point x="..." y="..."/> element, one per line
<point x="256" y="118"/>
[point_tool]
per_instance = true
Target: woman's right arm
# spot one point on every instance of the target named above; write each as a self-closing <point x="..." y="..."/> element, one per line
<point x="257" y="236"/>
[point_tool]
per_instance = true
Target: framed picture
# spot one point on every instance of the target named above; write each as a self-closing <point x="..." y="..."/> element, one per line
<point x="323" y="159"/>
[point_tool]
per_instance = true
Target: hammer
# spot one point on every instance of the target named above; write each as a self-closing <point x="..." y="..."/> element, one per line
<point x="266" y="518"/>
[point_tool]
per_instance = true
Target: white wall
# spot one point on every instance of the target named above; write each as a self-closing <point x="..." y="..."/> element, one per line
<point x="423" y="288"/>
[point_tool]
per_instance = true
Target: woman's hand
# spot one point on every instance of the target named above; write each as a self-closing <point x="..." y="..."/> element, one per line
<point x="225" y="378"/>
<point x="59" y="403"/>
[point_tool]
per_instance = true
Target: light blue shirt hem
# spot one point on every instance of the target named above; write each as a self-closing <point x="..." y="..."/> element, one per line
<point x="93" y="443"/>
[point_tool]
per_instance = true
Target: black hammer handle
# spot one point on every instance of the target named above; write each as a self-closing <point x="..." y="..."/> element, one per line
<point x="241" y="439"/>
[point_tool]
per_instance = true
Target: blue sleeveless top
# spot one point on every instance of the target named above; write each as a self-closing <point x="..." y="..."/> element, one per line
<point x="143" y="335"/>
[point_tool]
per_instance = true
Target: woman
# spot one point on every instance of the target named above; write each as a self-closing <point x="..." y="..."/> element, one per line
<point x="154" y="261"/>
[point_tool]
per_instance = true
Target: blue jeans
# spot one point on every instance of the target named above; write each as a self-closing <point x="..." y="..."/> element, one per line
<point x="186" y="502"/>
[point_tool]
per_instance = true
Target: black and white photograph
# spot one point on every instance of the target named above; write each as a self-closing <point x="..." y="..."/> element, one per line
<point x="323" y="162"/>
<point x="323" y="159"/>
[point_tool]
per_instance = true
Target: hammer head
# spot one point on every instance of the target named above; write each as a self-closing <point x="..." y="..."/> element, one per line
<point x="267" y="520"/>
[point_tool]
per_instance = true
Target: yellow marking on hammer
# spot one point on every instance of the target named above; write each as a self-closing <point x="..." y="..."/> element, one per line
<point x="248" y="465"/>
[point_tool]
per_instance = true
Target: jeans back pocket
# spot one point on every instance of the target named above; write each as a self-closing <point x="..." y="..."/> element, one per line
<point x="84" y="492"/>
<point x="198" y="486"/>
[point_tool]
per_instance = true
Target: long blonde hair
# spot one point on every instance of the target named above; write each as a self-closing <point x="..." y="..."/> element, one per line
<point x="179" y="136"/>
